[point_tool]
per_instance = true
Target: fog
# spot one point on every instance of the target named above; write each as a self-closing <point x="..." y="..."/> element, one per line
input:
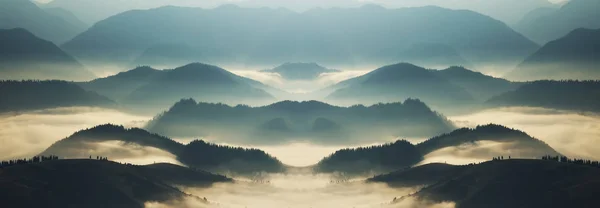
<point x="570" y="133"/>
<point x="28" y="134"/>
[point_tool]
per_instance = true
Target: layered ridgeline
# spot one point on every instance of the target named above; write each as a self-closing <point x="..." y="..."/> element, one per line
<point x="47" y="24"/>
<point x="480" y="143"/>
<point x="289" y="121"/>
<point x="574" y="56"/>
<point x="19" y="96"/>
<point x="97" y="183"/>
<point x="485" y="184"/>
<point x="147" y="88"/>
<point x="25" y="56"/>
<point x="564" y="95"/>
<point x="365" y="35"/>
<point x="108" y="140"/>
<point x="300" y="71"/>
<point x="545" y="25"/>
<point x="446" y="89"/>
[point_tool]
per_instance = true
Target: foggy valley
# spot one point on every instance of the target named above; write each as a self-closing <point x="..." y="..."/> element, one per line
<point x="311" y="104"/>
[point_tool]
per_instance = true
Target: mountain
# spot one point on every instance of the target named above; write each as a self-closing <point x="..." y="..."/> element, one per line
<point x="25" y="56"/>
<point x="515" y="143"/>
<point x="300" y="71"/>
<point x="68" y="17"/>
<point x="95" y="183"/>
<point x="551" y="25"/>
<point x="422" y="175"/>
<point x="575" y="56"/>
<point x="289" y="121"/>
<point x="264" y="36"/>
<point x="480" y="86"/>
<point x="424" y="54"/>
<point x="169" y="55"/>
<point x="486" y="185"/>
<point x="47" y="25"/>
<point x="197" y="154"/>
<point x="369" y="160"/>
<point x="147" y="88"/>
<point x="36" y="95"/>
<point x="565" y="95"/>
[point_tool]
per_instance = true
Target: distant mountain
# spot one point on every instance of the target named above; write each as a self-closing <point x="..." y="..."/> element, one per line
<point x="566" y="95"/>
<point x="371" y="160"/>
<point x="480" y="86"/>
<point x="25" y="56"/>
<point x="486" y="185"/>
<point x="95" y="183"/>
<point x="17" y="96"/>
<point x="402" y="154"/>
<point x="47" y="25"/>
<point x="300" y="71"/>
<point x="551" y="25"/>
<point x="146" y="88"/>
<point x="289" y="121"/>
<point x="424" y="54"/>
<point x="169" y="55"/>
<point x="264" y="36"/>
<point x="575" y="56"/>
<point x="68" y="17"/>
<point x="197" y="154"/>
<point x="517" y="143"/>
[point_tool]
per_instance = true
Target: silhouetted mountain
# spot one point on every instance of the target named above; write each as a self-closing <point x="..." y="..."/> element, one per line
<point x="288" y="121"/>
<point x="146" y="88"/>
<point x="328" y="36"/>
<point x="575" y="56"/>
<point x="169" y="55"/>
<point x="424" y="54"/>
<point x="422" y="175"/>
<point x="95" y="183"/>
<point x="516" y="143"/>
<point x="47" y="25"/>
<point x="371" y="160"/>
<point x="480" y="86"/>
<point x="300" y="71"/>
<point x="518" y="183"/>
<point x="566" y="95"/>
<point x="197" y="154"/>
<point x="551" y="25"/>
<point x="35" y="95"/>
<point x="68" y="17"/>
<point x="25" y="56"/>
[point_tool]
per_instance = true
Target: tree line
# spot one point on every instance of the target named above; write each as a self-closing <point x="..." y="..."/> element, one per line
<point x="35" y="159"/>
<point x="577" y="161"/>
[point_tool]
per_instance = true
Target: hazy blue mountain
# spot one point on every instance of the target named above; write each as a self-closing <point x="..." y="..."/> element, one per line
<point x="300" y="71"/>
<point x="197" y="154"/>
<point x="266" y="36"/>
<point x="531" y="16"/>
<point x="144" y="88"/>
<point x="371" y="160"/>
<point x="566" y="95"/>
<point x="424" y="54"/>
<point x="47" y="25"/>
<point x="517" y="143"/>
<point x="67" y="16"/>
<point x="486" y="185"/>
<point x="575" y="56"/>
<point x="17" y="96"/>
<point x="555" y="24"/>
<point x="96" y="183"/>
<point x="25" y="56"/>
<point x="480" y="86"/>
<point x="289" y="121"/>
<point x="169" y="55"/>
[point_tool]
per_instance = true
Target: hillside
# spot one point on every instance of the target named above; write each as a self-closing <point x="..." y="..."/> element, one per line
<point x="480" y="86"/>
<point x="264" y="36"/>
<point x="565" y="95"/>
<point x="300" y="71"/>
<point x="422" y="175"/>
<point x="19" y="96"/>
<point x="540" y="184"/>
<point x="94" y="183"/>
<point x="289" y="121"/>
<point x="197" y="154"/>
<point x="556" y="23"/>
<point x="574" y="56"/>
<point x="25" y="56"/>
<point x="47" y="25"/>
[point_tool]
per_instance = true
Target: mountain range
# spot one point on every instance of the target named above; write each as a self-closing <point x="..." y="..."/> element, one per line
<point x="25" y="56"/>
<point x="289" y="121"/>
<point x="300" y="71"/>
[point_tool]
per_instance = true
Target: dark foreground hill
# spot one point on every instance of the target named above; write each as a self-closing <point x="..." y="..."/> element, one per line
<point x="25" y="56"/>
<point x="516" y="183"/>
<point x="197" y="154"/>
<point x="288" y="121"/>
<point x="35" y="95"/>
<point x="95" y="184"/>
<point x="565" y="95"/>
